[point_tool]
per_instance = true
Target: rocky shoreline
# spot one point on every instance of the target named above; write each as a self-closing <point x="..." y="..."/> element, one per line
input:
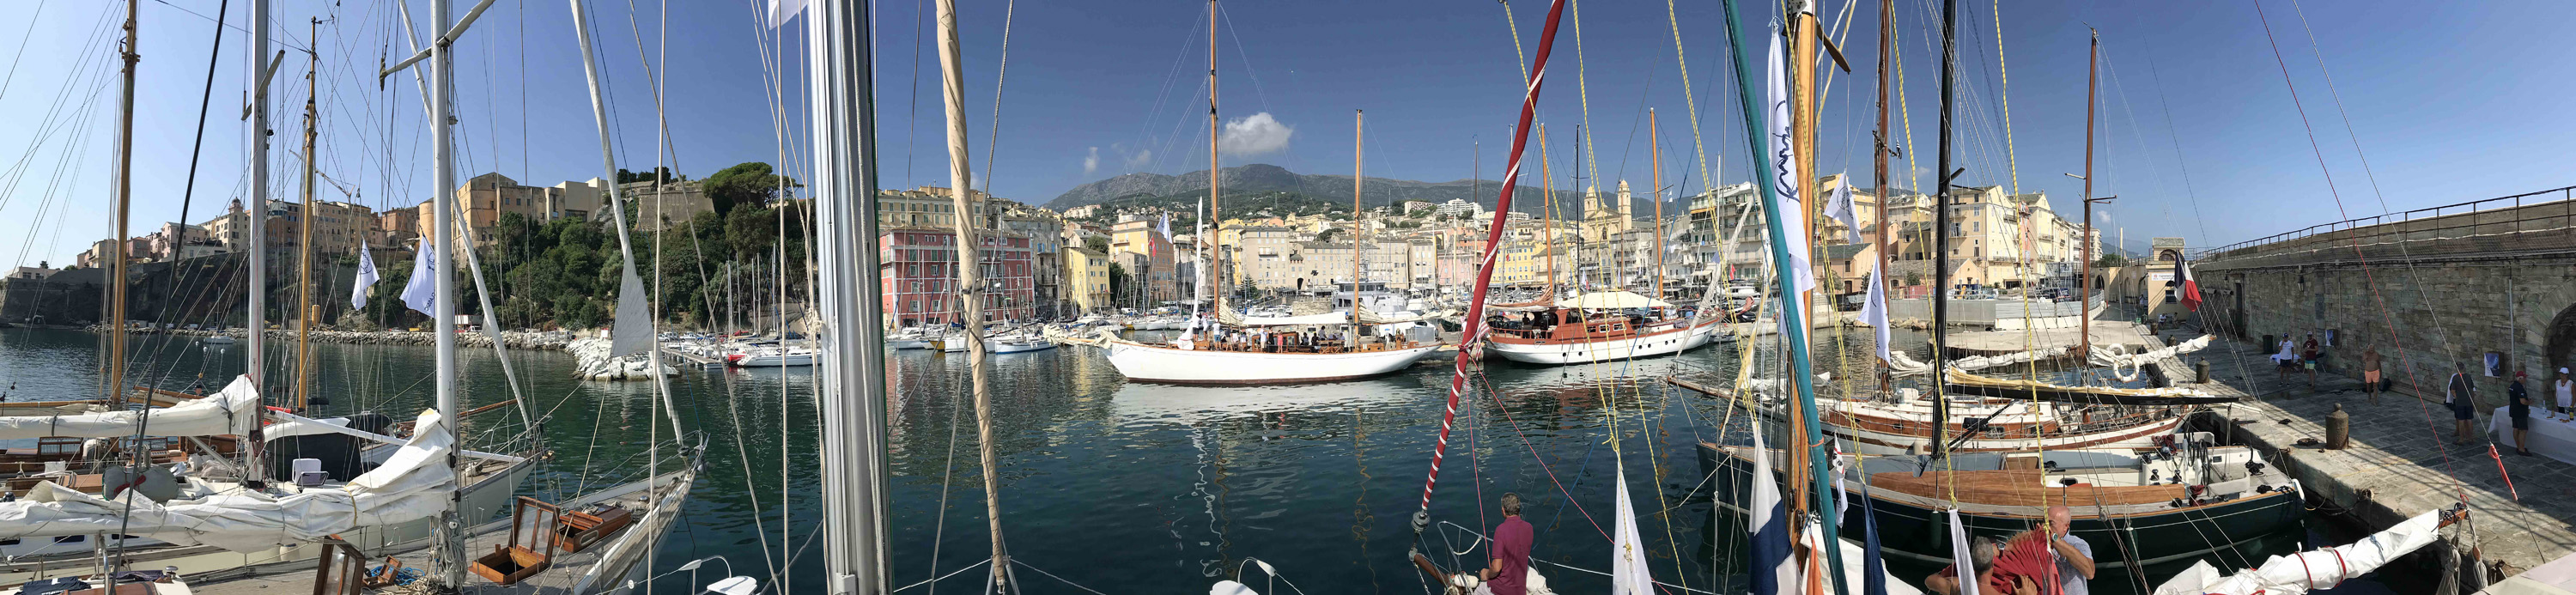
<point x="532" y="340"/>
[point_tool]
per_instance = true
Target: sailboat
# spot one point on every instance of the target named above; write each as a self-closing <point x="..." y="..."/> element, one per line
<point x="1244" y="350"/>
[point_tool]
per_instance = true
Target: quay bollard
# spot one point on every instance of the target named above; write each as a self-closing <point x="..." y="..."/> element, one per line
<point x="2338" y="428"/>
<point x="2201" y="371"/>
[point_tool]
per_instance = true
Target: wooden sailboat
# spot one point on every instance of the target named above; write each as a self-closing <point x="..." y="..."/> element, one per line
<point x="1273" y="351"/>
<point x="1592" y="327"/>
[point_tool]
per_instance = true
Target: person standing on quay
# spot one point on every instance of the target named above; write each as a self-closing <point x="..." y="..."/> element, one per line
<point x="2309" y="355"/>
<point x="2370" y="373"/>
<point x="2518" y="404"/>
<point x="2461" y="398"/>
<point x="2566" y="392"/>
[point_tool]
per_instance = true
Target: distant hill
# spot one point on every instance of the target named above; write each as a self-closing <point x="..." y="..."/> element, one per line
<point x="1270" y="180"/>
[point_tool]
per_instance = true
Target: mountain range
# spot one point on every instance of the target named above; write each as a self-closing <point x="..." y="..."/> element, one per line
<point x="1265" y="178"/>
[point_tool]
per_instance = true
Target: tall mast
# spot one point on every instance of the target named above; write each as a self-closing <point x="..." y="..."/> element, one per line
<point x="840" y="79"/>
<point x="124" y="207"/>
<point x="442" y="89"/>
<point x="1941" y="235"/>
<point x="1213" y="172"/>
<point x="255" y="340"/>
<point x="304" y="236"/>
<point x="2084" y="298"/>
<point x="1806" y="31"/>
<point x="970" y="274"/>
<point x="1358" y="221"/>
<point x="1655" y="156"/>
<point x="1878" y="159"/>
<point x="1547" y="224"/>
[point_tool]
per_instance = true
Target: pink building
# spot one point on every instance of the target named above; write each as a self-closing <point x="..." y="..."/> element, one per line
<point x="920" y="276"/>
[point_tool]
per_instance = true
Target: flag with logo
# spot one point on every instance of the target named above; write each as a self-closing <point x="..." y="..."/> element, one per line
<point x="421" y="291"/>
<point x="366" y="278"/>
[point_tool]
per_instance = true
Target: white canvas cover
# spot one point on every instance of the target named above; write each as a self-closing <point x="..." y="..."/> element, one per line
<point x="1615" y="299"/>
<point x="230" y="411"/>
<point x="411" y="485"/>
<point x="2313" y="569"/>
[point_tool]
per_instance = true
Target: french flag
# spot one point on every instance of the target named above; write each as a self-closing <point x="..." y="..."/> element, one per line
<point x="2190" y="292"/>
<point x="1772" y="571"/>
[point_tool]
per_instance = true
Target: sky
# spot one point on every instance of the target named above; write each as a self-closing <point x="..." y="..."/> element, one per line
<point x="2197" y="131"/>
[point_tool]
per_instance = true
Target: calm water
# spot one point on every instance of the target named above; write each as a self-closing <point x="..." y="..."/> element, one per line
<point x="1126" y="488"/>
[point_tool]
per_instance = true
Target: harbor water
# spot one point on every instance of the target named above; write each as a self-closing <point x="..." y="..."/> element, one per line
<point x="1104" y="484"/>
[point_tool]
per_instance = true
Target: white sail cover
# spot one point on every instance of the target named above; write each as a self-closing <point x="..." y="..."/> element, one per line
<point x="1229" y="318"/>
<point x="1613" y="300"/>
<point x="231" y="411"/>
<point x="2313" y="569"/>
<point x="411" y="485"/>
<point x="2118" y="356"/>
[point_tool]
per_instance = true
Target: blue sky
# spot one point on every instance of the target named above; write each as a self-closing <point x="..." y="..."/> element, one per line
<point x="2448" y="105"/>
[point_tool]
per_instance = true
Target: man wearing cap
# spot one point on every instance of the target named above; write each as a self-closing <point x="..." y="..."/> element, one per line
<point x="2566" y="391"/>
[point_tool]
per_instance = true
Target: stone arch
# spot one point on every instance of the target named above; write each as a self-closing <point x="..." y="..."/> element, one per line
<point x="2560" y="346"/>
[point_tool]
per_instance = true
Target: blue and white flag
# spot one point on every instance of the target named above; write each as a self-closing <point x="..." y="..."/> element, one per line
<point x="1165" y="227"/>
<point x="421" y="290"/>
<point x="1773" y="571"/>
<point x="1874" y="312"/>
<point x="366" y="278"/>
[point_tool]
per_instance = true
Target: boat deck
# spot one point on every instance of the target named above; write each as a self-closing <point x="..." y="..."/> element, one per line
<point x="605" y="557"/>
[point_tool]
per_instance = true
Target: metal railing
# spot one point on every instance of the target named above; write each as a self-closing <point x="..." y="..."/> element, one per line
<point x="2446" y="221"/>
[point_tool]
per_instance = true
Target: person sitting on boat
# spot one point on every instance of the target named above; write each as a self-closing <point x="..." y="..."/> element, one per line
<point x="2074" y="556"/>
<point x="1508" y="573"/>
<point x="2010" y="567"/>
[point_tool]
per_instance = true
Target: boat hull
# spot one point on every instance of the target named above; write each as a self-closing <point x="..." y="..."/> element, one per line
<point x="908" y="344"/>
<point x="1914" y="537"/>
<point x="1855" y="437"/>
<point x="1561" y="353"/>
<point x="1146" y="363"/>
<point x="1001" y="347"/>
<point x="774" y="361"/>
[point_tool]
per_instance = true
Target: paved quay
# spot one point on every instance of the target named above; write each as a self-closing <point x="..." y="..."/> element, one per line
<point x="2400" y="461"/>
<point x="2106" y="331"/>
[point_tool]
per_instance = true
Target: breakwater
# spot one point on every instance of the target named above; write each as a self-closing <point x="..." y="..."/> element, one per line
<point x="544" y="340"/>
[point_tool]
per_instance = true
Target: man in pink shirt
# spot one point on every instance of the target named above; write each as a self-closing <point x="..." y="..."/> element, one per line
<point x="1509" y="572"/>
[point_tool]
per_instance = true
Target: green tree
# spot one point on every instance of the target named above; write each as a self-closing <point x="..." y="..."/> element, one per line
<point x="2111" y="260"/>
<point x="629" y="177"/>
<point x="746" y="184"/>
<point x="1097" y="244"/>
<point x="1118" y="283"/>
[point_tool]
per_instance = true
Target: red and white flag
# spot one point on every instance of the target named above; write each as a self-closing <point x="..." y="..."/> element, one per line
<point x="2190" y="292"/>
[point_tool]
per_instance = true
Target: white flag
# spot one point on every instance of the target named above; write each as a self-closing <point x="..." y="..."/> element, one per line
<point x="1874" y="312"/>
<point x="1839" y="207"/>
<point x="1784" y="170"/>
<point x="1960" y="558"/>
<point x="1628" y="574"/>
<point x="781" y="10"/>
<point x="421" y="290"/>
<point x="366" y="278"/>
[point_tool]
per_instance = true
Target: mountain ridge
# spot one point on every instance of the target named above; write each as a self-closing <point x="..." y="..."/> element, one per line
<point x="1262" y="178"/>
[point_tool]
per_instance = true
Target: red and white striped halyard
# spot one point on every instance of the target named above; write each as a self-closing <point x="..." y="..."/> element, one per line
<point x="1474" y="325"/>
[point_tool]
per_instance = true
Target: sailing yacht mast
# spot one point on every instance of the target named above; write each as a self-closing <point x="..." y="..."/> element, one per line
<point x="1878" y="160"/>
<point x="840" y="77"/>
<point x="1941" y="235"/>
<point x="1655" y="156"/>
<point x="2084" y="297"/>
<point x="442" y="88"/>
<point x="970" y="278"/>
<point x="1358" y="221"/>
<point x="304" y="235"/>
<point x="1218" y="306"/>
<point x="1806" y="32"/>
<point x="124" y="208"/>
<point x="1547" y="196"/>
<point x="255" y="341"/>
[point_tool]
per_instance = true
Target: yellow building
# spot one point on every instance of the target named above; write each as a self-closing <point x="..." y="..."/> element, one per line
<point x="1086" y="278"/>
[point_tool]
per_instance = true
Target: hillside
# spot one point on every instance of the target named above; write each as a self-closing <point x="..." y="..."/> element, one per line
<point x="1271" y="180"/>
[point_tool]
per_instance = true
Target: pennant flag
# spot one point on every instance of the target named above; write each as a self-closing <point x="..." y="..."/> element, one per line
<point x="2190" y="292"/>
<point x="1873" y="566"/>
<point x="1839" y="207"/>
<point x="421" y="290"/>
<point x="1784" y="170"/>
<point x="1960" y="557"/>
<point x="1628" y="574"/>
<point x="1874" y="313"/>
<point x="367" y="277"/>
<point x="1772" y="572"/>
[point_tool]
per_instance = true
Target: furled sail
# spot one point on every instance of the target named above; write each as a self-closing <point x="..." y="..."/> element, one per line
<point x="1971" y="384"/>
<point x="2313" y="569"/>
<point x="411" y="485"/>
<point x="231" y="411"/>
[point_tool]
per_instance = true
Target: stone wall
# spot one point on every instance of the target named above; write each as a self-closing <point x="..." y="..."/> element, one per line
<point x="2423" y="315"/>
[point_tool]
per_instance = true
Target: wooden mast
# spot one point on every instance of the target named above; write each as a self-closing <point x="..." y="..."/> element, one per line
<point x="124" y="209"/>
<point x="970" y="275"/>
<point x="2084" y="297"/>
<point x="1802" y="46"/>
<point x="1655" y="156"/>
<point x="304" y="237"/>
<point x="1359" y="220"/>
<point x="1547" y="191"/>
<point x="1878" y="159"/>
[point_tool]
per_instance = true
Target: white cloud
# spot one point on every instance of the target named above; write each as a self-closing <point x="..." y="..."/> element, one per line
<point x="1254" y="135"/>
<point x="1140" y="159"/>
<point x="1091" y="161"/>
